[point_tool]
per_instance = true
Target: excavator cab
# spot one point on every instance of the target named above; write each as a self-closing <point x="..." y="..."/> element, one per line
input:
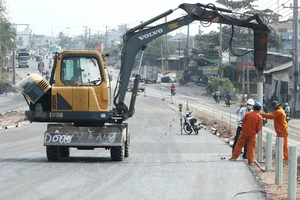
<point x="77" y="90"/>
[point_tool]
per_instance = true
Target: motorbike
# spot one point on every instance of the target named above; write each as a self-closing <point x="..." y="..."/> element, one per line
<point x="42" y="70"/>
<point x="47" y="75"/>
<point x="50" y="64"/>
<point x="227" y="102"/>
<point x="173" y="91"/>
<point x="265" y="121"/>
<point x="190" y="124"/>
<point x="287" y="118"/>
<point x="217" y="99"/>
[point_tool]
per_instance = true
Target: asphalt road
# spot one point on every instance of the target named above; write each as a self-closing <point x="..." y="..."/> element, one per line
<point x="163" y="164"/>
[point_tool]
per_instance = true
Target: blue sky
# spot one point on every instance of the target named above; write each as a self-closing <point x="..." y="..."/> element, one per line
<point x="53" y="16"/>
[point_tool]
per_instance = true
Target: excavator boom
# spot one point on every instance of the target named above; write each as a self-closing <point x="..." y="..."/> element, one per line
<point x="136" y="39"/>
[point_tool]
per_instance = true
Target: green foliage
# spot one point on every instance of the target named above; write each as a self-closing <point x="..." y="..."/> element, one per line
<point x="207" y="41"/>
<point x="7" y="36"/>
<point x="156" y="47"/>
<point x="242" y="37"/>
<point x="224" y="84"/>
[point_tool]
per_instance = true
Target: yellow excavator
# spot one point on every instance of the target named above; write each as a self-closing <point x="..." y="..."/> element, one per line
<point x="75" y="101"/>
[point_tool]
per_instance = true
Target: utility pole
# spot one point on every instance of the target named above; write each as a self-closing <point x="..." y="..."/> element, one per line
<point x="295" y="55"/>
<point x="220" y="51"/>
<point x="295" y="60"/>
<point x="14" y="67"/>
<point x="105" y="40"/>
<point x="248" y="85"/>
<point x="187" y="48"/>
<point x="243" y="85"/>
<point x="85" y="36"/>
<point x="166" y="50"/>
<point x="89" y="35"/>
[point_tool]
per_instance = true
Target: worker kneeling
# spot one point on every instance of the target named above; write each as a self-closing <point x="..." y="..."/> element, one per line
<point x="252" y="124"/>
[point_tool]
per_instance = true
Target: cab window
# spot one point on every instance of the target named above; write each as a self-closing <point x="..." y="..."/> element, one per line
<point x="84" y="70"/>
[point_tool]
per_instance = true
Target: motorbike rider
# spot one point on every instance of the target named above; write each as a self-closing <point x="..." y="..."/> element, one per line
<point x="217" y="94"/>
<point x="41" y="66"/>
<point x="173" y="88"/>
<point x="228" y="96"/>
<point x="287" y="110"/>
<point x="242" y="110"/>
<point x="50" y="63"/>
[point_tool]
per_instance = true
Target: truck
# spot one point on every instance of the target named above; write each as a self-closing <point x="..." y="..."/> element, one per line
<point x="150" y="73"/>
<point x="78" y="112"/>
<point x="23" y="58"/>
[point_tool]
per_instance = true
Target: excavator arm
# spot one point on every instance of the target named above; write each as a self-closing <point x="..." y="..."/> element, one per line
<point x="137" y="38"/>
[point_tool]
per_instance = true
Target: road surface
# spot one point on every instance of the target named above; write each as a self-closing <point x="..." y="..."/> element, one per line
<point x="163" y="164"/>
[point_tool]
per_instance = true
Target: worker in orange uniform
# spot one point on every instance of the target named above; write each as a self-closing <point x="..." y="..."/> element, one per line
<point x="252" y="124"/>
<point x="280" y="125"/>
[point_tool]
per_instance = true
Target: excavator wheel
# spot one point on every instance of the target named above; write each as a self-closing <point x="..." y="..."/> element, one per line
<point x="117" y="153"/>
<point x="127" y="146"/>
<point x="64" y="152"/>
<point x="53" y="153"/>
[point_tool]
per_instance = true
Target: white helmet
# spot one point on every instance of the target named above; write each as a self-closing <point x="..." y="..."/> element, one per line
<point x="250" y="102"/>
<point x="286" y="104"/>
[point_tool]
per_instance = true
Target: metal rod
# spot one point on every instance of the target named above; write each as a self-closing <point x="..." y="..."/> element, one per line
<point x="260" y="85"/>
<point x="262" y="169"/>
<point x="278" y="160"/>
<point x="269" y="152"/>
<point x="292" y="173"/>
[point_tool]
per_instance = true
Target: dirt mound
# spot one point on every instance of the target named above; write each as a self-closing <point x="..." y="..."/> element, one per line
<point x="12" y="118"/>
<point x="6" y="88"/>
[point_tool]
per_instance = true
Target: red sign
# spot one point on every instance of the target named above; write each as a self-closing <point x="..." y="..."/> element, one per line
<point x="249" y="64"/>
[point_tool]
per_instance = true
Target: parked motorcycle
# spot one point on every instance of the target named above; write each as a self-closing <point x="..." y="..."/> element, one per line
<point x="190" y="124"/>
<point x="173" y="91"/>
<point x="227" y="102"/>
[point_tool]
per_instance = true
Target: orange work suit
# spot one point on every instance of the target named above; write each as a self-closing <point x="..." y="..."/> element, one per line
<point x="281" y="128"/>
<point x="252" y="124"/>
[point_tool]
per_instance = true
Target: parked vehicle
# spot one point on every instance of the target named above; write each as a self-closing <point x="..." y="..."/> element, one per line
<point x="141" y="87"/>
<point x="150" y="74"/>
<point x="190" y="124"/>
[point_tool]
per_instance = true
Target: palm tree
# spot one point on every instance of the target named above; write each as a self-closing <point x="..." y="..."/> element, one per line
<point x="7" y="37"/>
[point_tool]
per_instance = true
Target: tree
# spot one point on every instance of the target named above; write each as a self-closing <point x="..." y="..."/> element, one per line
<point x="3" y="12"/>
<point x="64" y="40"/>
<point x="156" y="48"/>
<point x="7" y="36"/>
<point x="267" y="16"/>
<point x="242" y="37"/>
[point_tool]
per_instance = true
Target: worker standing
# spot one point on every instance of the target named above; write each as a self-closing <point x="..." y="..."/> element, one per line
<point x="280" y="125"/>
<point x="242" y="110"/>
<point x="252" y="124"/>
